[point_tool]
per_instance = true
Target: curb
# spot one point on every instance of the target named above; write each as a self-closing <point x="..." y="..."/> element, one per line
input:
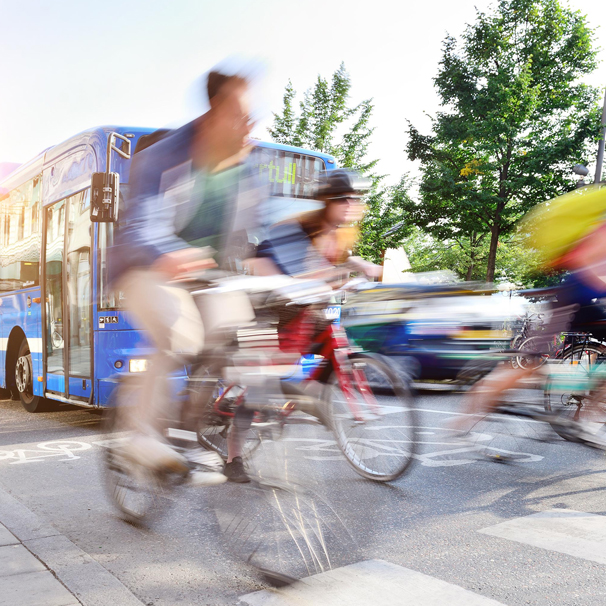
<point x="89" y="582"/>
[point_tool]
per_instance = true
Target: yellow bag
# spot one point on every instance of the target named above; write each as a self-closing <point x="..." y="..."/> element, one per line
<point x="555" y="227"/>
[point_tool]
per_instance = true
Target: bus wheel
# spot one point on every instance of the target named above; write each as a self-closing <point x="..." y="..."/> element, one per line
<point x="24" y="380"/>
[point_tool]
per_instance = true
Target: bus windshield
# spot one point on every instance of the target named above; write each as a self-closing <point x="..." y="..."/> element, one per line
<point x="292" y="179"/>
<point x="290" y="175"/>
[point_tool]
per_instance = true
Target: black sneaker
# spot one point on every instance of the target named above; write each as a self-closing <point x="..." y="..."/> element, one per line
<point x="235" y="472"/>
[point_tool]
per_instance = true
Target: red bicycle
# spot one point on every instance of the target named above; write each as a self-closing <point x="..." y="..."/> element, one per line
<point x="355" y="394"/>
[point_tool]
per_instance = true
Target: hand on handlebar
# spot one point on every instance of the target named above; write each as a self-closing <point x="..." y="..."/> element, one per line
<point x="185" y="261"/>
<point x="369" y="269"/>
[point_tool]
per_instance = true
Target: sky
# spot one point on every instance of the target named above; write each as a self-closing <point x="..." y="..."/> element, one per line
<point x="69" y="65"/>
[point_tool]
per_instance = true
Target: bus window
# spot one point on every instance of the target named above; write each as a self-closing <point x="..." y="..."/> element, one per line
<point x="78" y="284"/>
<point x="20" y="237"/>
<point x="291" y="179"/>
<point x="55" y="235"/>
<point x="108" y="299"/>
<point x="289" y="175"/>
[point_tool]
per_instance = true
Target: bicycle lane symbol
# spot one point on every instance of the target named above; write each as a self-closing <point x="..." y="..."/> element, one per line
<point x="61" y="450"/>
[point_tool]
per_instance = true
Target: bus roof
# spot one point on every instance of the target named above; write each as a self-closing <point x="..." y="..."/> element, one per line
<point x="97" y="137"/>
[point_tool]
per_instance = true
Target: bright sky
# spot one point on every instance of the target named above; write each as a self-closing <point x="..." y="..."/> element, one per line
<point x="68" y="65"/>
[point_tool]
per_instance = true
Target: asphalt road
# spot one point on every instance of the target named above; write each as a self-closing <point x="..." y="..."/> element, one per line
<point x="439" y="519"/>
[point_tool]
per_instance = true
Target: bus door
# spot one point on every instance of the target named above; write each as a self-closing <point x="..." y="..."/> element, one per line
<point x="67" y="284"/>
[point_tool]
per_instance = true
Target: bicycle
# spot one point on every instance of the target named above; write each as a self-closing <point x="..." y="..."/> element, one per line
<point x="566" y="395"/>
<point x="580" y="398"/>
<point x="359" y="393"/>
<point x="283" y="510"/>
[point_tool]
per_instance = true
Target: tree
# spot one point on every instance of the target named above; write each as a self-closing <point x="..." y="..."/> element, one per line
<point x="284" y="124"/>
<point x="327" y="122"/>
<point x="385" y="213"/>
<point x="324" y="107"/>
<point x="515" y="119"/>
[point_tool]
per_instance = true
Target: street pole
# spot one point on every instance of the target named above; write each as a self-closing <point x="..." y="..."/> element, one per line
<point x="598" y="168"/>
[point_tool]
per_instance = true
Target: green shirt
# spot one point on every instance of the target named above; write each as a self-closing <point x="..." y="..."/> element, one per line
<point x="215" y="194"/>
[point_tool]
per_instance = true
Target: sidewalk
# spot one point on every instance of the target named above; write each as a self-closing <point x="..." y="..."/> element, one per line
<point x="41" y="567"/>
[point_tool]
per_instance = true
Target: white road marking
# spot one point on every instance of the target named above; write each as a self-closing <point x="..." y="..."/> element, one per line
<point x="464" y="414"/>
<point x="369" y="582"/>
<point x="579" y="534"/>
<point x="43" y="451"/>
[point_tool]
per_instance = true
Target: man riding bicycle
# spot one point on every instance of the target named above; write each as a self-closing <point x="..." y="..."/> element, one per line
<point x="183" y="215"/>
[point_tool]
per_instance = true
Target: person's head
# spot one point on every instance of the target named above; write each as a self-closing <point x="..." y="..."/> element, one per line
<point x="229" y="115"/>
<point x="342" y="192"/>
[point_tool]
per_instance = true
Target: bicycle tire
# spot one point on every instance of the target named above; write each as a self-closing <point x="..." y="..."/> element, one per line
<point x="572" y="409"/>
<point x="530" y="344"/>
<point x="285" y="531"/>
<point x="212" y="429"/>
<point x="377" y="451"/>
<point x="136" y="492"/>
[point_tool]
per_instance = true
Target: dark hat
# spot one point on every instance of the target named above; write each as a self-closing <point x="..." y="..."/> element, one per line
<point x="334" y="183"/>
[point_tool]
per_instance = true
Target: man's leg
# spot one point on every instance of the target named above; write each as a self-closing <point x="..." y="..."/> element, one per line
<point x="485" y="395"/>
<point x="173" y="325"/>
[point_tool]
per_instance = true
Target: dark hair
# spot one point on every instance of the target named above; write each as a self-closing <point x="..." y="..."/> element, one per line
<point x="216" y="81"/>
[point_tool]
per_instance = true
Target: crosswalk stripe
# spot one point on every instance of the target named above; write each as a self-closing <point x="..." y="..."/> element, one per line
<point x="366" y="583"/>
<point x="579" y="534"/>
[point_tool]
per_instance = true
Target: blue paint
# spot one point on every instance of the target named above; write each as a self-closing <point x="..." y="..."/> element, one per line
<point x="65" y="170"/>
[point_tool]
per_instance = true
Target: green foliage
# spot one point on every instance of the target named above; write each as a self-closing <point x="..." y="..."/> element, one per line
<point x="516" y="262"/>
<point x="515" y="119"/>
<point x="284" y="124"/>
<point x="327" y="122"/>
<point x="385" y="212"/>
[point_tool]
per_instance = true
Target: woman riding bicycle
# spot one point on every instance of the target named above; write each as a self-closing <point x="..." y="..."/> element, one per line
<point x="318" y="244"/>
<point x="314" y="245"/>
<point x="576" y="244"/>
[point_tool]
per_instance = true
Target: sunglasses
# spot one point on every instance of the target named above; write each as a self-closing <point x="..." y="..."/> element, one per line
<point x="350" y="198"/>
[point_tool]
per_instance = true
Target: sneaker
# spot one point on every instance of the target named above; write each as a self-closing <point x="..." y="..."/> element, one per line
<point x="205" y="478"/>
<point x="205" y="468"/>
<point x="152" y="453"/>
<point x="235" y="471"/>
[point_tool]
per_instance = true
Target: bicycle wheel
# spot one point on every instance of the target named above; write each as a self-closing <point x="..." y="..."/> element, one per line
<point x="530" y="359"/>
<point x="374" y="424"/>
<point x="136" y="491"/>
<point x="476" y="369"/>
<point x="574" y="395"/>
<point x="285" y="522"/>
<point x="285" y="531"/>
<point x="217" y="402"/>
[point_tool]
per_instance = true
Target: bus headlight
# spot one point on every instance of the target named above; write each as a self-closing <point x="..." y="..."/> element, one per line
<point x="137" y="365"/>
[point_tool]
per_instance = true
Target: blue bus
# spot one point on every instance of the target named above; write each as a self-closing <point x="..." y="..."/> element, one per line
<point x="63" y="335"/>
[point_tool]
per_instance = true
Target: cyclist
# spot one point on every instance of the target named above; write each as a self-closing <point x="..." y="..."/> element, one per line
<point x="577" y="307"/>
<point x="318" y="244"/>
<point x="182" y="216"/>
<point x="313" y="245"/>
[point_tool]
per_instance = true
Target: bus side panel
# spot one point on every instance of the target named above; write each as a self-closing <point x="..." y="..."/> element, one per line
<point x="15" y="311"/>
<point x="113" y="346"/>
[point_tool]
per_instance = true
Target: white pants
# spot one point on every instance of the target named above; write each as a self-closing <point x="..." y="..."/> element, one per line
<point x="175" y="323"/>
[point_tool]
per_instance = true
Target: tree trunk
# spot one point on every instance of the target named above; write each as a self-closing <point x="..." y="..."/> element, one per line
<point x="472" y="255"/>
<point x="495" y="231"/>
<point x="469" y="272"/>
<point x="492" y="253"/>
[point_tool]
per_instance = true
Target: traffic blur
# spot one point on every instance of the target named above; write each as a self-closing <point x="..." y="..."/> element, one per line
<point x="433" y="330"/>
